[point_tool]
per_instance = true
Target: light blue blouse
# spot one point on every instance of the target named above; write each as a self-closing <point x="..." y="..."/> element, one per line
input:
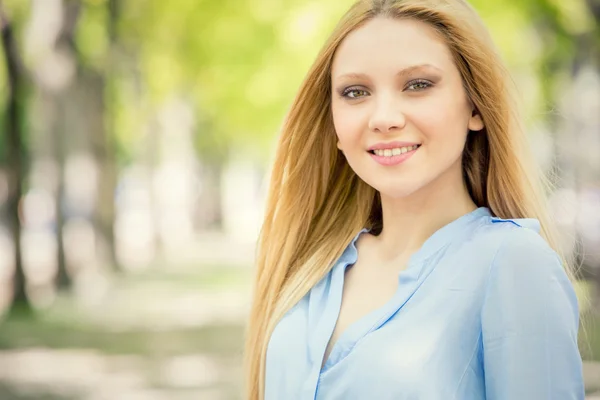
<point x="484" y="310"/>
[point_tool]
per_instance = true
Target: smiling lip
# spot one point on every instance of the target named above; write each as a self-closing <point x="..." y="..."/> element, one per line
<point x="391" y="145"/>
<point x="393" y="160"/>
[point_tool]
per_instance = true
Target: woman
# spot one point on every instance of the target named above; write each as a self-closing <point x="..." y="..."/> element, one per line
<point x="406" y="252"/>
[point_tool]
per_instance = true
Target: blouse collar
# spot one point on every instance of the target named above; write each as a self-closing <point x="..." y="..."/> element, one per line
<point x="438" y="240"/>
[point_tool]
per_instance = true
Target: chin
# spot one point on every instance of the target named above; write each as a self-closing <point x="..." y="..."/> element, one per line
<point x="395" y="190"/>
<point x="400" y="187"/>
<point x="395" y="193"/>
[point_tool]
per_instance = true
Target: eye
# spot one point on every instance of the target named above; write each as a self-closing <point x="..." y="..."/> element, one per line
<point x="354" y="93"/>
<point x="418" y="85"/>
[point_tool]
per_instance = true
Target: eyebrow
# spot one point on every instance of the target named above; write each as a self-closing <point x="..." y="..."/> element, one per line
<point x="402" y="72"/>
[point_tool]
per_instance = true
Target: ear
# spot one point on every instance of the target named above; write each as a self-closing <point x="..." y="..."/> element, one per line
<point x="476" y="122"/>
<point x="338" y="145"/>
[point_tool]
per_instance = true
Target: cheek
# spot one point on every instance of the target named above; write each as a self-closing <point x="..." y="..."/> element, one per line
<point x="348" y="124"/>
<point x="443" y="122"/>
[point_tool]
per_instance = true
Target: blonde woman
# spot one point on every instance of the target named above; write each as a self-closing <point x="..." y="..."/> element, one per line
<point x="406" y="251"/>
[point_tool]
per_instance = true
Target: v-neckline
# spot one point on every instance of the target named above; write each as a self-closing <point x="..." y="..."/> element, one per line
<point x="360" y="326"/>
<point x="407" y="279"/>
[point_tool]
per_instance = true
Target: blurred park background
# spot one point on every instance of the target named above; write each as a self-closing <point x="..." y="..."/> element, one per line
<point x="136" y="137"/>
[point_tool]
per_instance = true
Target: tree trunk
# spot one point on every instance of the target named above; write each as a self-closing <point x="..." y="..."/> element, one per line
<point x="59" y="132"/>
<point x="210" y="211"/>
<point x="103" y="151"/>
<point x="103" y="143"/>
<point x="16" y="158"/>
<point x="65" y="43"/>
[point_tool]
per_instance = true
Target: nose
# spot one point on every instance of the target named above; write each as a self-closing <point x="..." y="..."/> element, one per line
<point x="386" y="116"/>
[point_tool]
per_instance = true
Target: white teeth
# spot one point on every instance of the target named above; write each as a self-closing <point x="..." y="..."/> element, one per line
<point x="395" y="151"/>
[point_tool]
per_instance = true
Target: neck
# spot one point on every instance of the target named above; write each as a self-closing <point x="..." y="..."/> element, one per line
<point x="409" y="221"/>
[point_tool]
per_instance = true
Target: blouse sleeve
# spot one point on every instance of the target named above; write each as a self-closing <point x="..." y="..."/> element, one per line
<point x="530" y="320"/>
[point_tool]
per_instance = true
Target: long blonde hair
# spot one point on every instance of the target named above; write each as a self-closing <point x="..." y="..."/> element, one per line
<point x="316" y="203"/>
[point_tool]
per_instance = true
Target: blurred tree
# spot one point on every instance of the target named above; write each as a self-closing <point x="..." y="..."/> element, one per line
<point x="239" y="61"/>
<point x="15" y="155"/>
<point x="65" y="45"/>
<point x="90" y="39"/>
<point x="106" y="150"/>
<point x="97" y="44"/>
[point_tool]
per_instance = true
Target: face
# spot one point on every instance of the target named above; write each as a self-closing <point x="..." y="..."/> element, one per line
<point x="395" y="87"/>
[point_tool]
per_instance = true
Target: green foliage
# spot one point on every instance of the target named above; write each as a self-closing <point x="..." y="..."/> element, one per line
<point x="241" y="61"/>
<point x="92" y="35"/>
<point x="17" y="12"/>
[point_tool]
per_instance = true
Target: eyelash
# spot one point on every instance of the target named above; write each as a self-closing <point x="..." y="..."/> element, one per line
<point x="425" y="82"/>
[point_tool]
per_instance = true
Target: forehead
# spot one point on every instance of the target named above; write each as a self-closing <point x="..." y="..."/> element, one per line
<point x="385" y="45"/>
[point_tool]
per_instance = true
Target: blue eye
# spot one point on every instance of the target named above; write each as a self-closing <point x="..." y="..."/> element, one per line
<point x="418" y="84"/>
<point x="356" y="93"/>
